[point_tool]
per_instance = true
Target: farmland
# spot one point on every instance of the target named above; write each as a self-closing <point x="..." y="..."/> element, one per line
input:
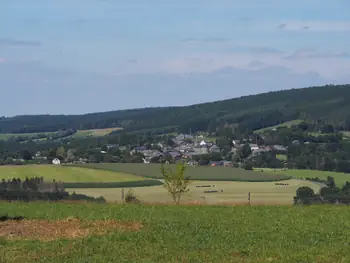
<point x="340" y="178"/>
<point x="194" y="173"/>
<point x="222" y="192"/>
<point x="65" y="174"/>
<point x="178" y="234"/>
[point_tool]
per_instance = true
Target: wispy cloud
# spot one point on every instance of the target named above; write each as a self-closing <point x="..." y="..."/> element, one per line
<point x="264" y="50"/>
<point x="313" y="53"/>
<point x="255" y="64"/>
<point x="15" y="42"/>
<point x="2" y="60"/>
<point x="324" y="26"/>
<point x="216" y="39"/>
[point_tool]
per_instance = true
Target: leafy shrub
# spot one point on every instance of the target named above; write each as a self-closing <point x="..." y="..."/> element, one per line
<point x="305" y="191"/>
<point x="131" y="198"/>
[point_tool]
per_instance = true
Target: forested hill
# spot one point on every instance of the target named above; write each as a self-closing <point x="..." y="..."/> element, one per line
<point x="329" y="102"/>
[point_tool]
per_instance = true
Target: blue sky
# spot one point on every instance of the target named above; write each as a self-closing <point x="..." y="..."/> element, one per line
<point x="75" y="56"/>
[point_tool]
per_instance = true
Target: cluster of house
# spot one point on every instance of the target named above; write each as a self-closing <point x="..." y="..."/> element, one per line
<point x="186" y="146"/>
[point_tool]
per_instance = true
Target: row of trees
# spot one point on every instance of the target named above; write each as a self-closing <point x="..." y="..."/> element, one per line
<point x="330" y="194"/>
<point x="35" y="188"/>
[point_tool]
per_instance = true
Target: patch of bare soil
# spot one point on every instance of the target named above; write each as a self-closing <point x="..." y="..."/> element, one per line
<point x="70" y="228"/>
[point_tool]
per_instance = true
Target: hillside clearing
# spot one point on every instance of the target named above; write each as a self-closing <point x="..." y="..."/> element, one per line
<point x="195" y="173"/>
<point x="94" y="132"/>
<point x="6" y="136"/>
<point x="243" y="234"/>
<point x="287" y="124"/>
<point x="64" y="174"/>
<point x="232" y="192"/>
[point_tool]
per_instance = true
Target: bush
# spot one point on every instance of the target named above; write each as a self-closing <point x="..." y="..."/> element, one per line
<point x="305" y="192"/>
<point x="325" y="191"/>
<point x="131" y="198"/>
<point x="248" y="165"/>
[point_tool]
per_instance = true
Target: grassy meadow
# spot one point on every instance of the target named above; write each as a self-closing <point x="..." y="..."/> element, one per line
<point x="195" y="173"/>
<point x="241" y="234"/>
<point x="227" y="192"/>
<point x="340" y="178"/>
<point x="65" y="174"/>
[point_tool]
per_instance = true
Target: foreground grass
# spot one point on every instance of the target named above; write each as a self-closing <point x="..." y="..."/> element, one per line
<point x="190" y="234"/>
<point x="227" y="192"/>
<point x="65" y="174"/>
<point x="195" y="173"/>
<point x="340" y="178"/>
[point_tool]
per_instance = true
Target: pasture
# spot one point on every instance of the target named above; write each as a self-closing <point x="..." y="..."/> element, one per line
<point x="147" y="233"/>
<point x="219" y="192"/>
<point x="194" y="173"/>
<point x="340" y="178"/>
<point x="65" y="174"/>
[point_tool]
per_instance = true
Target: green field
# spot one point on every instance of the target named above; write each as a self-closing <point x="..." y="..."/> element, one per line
<point x="195" y="173"/>
<point x="241" y="234"/>
<point x="284" y="124"/>
<point x="65" y="174"/>
<point x="233" y="192"/>
<point x="340" y="178"/>
<point x="78" y="134"/>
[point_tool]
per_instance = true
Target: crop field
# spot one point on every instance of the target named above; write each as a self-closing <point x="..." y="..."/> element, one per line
<point x="340" y="178"/>
<point x="94" y="132"/>
<point x="65" y="174"/>
<point x="147" y="233"/>
<point x="221" y="192"/>
<point x="194" y="173"/>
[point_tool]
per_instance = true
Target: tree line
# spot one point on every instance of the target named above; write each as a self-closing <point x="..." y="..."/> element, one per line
<point x="331" y="102"/>
<point x="32" y="189"/>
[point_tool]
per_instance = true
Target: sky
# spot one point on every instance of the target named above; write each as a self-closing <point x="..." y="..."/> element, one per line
<point x="81" y="56"/>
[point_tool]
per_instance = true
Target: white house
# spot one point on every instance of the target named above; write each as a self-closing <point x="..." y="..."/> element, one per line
<point x="56" y="161"/>
<point x="254" y="147"/>
<point x="202" y="143"/>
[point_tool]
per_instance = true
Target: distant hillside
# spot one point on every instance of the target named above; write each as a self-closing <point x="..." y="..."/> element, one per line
<point x="253" y="112"/>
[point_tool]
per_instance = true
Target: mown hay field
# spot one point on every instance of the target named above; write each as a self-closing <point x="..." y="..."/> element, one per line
<point x="148" y="233"/>
<point x="211" y="192"/>
<point x="195" y="173"/>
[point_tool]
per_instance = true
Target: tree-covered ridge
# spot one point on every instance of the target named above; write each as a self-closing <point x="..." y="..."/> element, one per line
<point x="330" y="102"/>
